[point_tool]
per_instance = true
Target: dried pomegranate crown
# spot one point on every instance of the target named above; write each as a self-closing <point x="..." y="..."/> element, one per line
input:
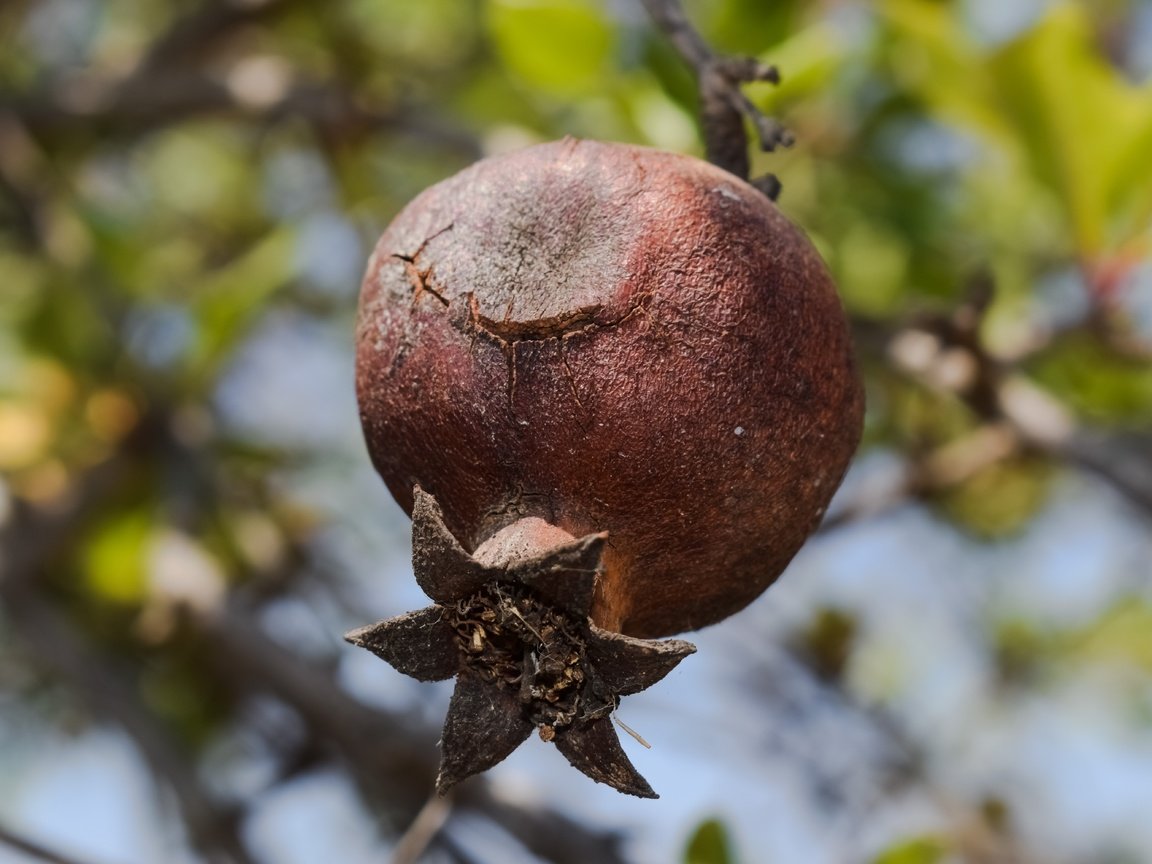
<point x="511" y="623"/>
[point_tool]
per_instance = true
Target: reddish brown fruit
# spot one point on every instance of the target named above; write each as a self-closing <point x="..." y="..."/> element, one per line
<point x="581" y="338"/>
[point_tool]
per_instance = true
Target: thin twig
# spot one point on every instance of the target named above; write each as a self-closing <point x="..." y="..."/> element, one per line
<point x="423" y="830"/>
<point x="723" y="105"/>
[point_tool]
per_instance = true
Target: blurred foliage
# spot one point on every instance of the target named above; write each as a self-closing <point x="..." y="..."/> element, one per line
<point x="919" y="850"/>
<point x="709" y="844"/>
<point x="562" y="49"/>
<point x="1119" y="639"/>
<point x="826" y="643"/>
<point x="175" y="178"/>
<point x="1102" y="385"/>
<point x="998" y="501"/>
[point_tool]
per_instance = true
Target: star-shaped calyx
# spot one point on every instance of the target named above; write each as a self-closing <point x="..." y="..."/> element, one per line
<point x="511" y="623"/>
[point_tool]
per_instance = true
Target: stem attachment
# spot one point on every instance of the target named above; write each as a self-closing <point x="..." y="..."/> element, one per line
<point x="723" y="105"/>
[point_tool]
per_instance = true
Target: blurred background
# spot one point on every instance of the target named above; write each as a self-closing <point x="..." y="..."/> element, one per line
<point x="957" y="668"/>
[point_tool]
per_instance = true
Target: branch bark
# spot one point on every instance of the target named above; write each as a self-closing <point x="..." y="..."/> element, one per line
<point x="947" y="356"/>
<point x="723" y="105"/>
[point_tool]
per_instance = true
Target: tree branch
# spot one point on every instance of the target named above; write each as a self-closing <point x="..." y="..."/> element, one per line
<point x="723" y="105"/>
<point x="53" y="643"/>
<point x="946" y="355"/>
<point x="171" y="82"/>
<point x="392" y="757"/>
<point x="787" y="677"/>
<point x="190" y="35"/>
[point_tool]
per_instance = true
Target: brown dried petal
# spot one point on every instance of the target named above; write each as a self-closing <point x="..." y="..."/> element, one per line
<point x="485" y="723"/>
<point x="444" y="571"/>
<point x="626" y="665"/>
<point x="594" y="749"/>
<point x="420" y="644"/>
<point x="566" y="575"/>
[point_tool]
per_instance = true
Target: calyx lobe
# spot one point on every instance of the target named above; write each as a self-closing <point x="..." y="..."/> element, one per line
<point x="511" y="623"/>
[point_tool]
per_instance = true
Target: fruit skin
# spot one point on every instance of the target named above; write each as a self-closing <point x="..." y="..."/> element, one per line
<point x="612" y="338"/>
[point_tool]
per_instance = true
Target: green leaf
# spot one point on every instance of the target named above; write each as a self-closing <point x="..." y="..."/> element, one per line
<point x="1084" y="130"/>
<point x="918" y="850"/>
<point x="561" y="47"/>
<point x="871" y="265"/>
<point x="24" y="279"/>
<point x="709" y="845"/>
<point x="1123" y="634"/>
<point x="406" y="31"/>
<point x="1000" y="500"/>
<point x="1120" y="636"/>
<point x="200" y="171"/>
<point x="746" y="26"/>
<point x="230" y="299"/>
<point x="1049" y="101"/>
<point x="807" y="62"/>
<point x="115" y="565"/>
<point x="1103" y="386"/>
<point x="931" y="58"/>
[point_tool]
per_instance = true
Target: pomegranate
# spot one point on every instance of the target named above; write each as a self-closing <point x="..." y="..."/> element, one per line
<point x="614" y="387"/>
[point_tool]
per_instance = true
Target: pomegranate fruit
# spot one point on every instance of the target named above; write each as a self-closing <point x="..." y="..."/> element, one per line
<point x="614" y="387"/>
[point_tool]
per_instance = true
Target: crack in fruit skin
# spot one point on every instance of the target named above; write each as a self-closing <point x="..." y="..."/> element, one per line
<point x="509" y="336"/>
